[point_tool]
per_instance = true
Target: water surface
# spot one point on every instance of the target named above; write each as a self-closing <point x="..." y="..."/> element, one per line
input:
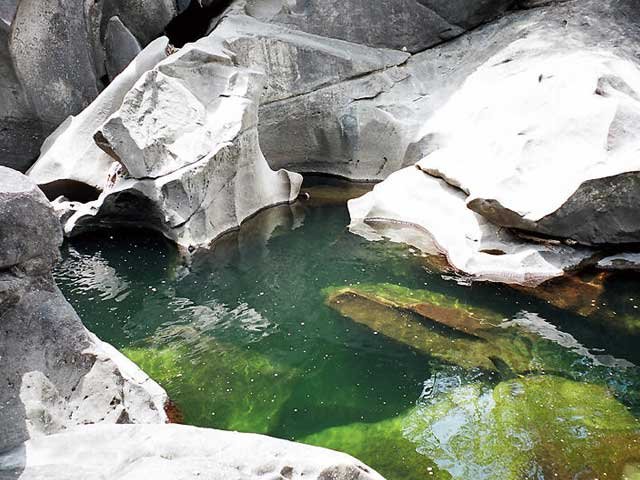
<point x="296" y="328"/>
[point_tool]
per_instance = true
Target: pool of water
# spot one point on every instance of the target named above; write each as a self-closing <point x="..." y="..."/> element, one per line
<point x="296" y="328"/>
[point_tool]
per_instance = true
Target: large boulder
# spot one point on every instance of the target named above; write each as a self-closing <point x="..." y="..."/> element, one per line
<point x="70" y="156"/>
<point x="415" y="208"/>
<point x="186" y="141"/>
<point x="55" y="373"/>
<point x="310" y="118"/>
<point x="51" y="49"/>
<point x="543" y="135"/>
<point x="175" y="452"/>
<point x="412" y="25"/>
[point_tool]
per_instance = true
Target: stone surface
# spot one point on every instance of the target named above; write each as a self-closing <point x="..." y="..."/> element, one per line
<point x="70" y="154"/>
<point x="21" y="132"/>
<point x="121" y="47"/>
<point x="55" y="373"/>
<point x="415" y="208"/>
<point x="175" y="452"/>
<point x="416" y="24"/>
<point x="555" y="111"/>
<point x="184" y="171"/>
<point x="51" y="49"/>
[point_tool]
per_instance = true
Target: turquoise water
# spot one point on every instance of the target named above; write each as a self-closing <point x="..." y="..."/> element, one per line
<point x="296" y="328"/>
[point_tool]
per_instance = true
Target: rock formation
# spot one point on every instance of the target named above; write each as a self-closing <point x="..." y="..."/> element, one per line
<point x="55" y="373"/>
<point x="186" y="143"/>
<point x="175" y="452"/>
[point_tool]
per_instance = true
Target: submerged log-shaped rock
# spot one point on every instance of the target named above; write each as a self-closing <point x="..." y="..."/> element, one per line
<point x="55" y="373"/>
<point x="186" y="143"/>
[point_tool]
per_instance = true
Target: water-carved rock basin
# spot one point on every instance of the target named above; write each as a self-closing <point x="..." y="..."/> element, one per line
<point x="296" y="328"/>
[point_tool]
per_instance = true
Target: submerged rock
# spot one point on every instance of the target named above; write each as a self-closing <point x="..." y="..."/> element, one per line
<point x="175" y="452"/>
<point x="381" y="442"/>
<point x="55" y="373"/>
<point x="546" y="427"/>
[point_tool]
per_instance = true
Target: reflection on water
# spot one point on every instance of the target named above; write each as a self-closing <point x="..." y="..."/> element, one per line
<point x="296" y="328"/>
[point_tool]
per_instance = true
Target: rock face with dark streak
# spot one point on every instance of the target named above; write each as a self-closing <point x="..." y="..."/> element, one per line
<point x="54" y="373"/>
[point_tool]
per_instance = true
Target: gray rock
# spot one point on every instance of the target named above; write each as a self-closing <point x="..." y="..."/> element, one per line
<point x="621" y="261"/>
<point x="121" y="47"/>
<point x="175" y="452"/>
<point x="51" y="49"/>
<point x="55" y="373"/>
<point x="410" y="24"/>
<point x="8" y="11"/>
<point x="186" y="138"/>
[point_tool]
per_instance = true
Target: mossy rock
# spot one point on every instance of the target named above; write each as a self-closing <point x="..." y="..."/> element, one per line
<point x="528" y="428"/>
<point x="218" y="385"/>
<point x="381" y="445"/>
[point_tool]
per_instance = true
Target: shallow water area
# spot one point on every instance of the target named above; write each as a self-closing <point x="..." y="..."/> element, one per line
<point x="294" y="327"/>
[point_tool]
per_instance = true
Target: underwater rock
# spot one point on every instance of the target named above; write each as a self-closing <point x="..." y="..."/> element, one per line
<point x="175" y="452"/>
<point x="531" y="427"/>
<point x="416" y="24"/>
<point x="380" y="442"/>
<point x="70" y="155"/>
<point x="56" y="374"/>
<point x="185" y="360"/>
<point x="181" y="169"/>
<point x="439" y="221"/>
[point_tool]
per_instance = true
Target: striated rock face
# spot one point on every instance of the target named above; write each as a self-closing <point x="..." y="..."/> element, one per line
<point x="416" y="24"/>
<point x="175" y="452"/>
<point x="55" y="373"/>
<point x="186" y="141"/>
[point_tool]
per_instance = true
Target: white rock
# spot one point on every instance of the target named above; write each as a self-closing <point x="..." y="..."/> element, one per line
<point x="415" y="208"/>
<point x="70" y="153"/>
<point x="622" y="261"/>
<point x="175" y="452"/>
<point x="187" y="136"/>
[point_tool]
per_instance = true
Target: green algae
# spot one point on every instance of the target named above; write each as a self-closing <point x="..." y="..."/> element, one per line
<point x="381" y="444"/>
<point x="531" y="427"/>
<point x="229" y="386"/>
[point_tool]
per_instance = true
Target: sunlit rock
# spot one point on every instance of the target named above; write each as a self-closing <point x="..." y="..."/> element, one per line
<point x="529" y="427"/>
<point x="175" y="452"/>
<point x="55" y="373"/>
<point x="188" y="159"/>
<point x="70" y="154"/>
<point x="380" y="442"/>
<point x="440" y="222"/>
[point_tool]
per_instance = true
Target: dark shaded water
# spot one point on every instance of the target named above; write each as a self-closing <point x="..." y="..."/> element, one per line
<point x="252" y="337"/>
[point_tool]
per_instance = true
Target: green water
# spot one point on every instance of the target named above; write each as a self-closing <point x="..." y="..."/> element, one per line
<point x="257" y="336"/>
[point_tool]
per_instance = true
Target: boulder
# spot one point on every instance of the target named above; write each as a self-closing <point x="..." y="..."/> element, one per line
<point x="70" y="155"/>
<point x="55" y="373"/>
<point x="418" y="209"/>
<point x="175" y="452"/>
<point x="416" y="24"/>
<point x="319" y="83"/>
<point x="543" y="134"/>
<point x="186" y="141"/>
<point x="51" y="49"/>
<point x="121" y="47"/>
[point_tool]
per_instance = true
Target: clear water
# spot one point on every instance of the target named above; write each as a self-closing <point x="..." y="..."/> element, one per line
<point x="252" y="337"/>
